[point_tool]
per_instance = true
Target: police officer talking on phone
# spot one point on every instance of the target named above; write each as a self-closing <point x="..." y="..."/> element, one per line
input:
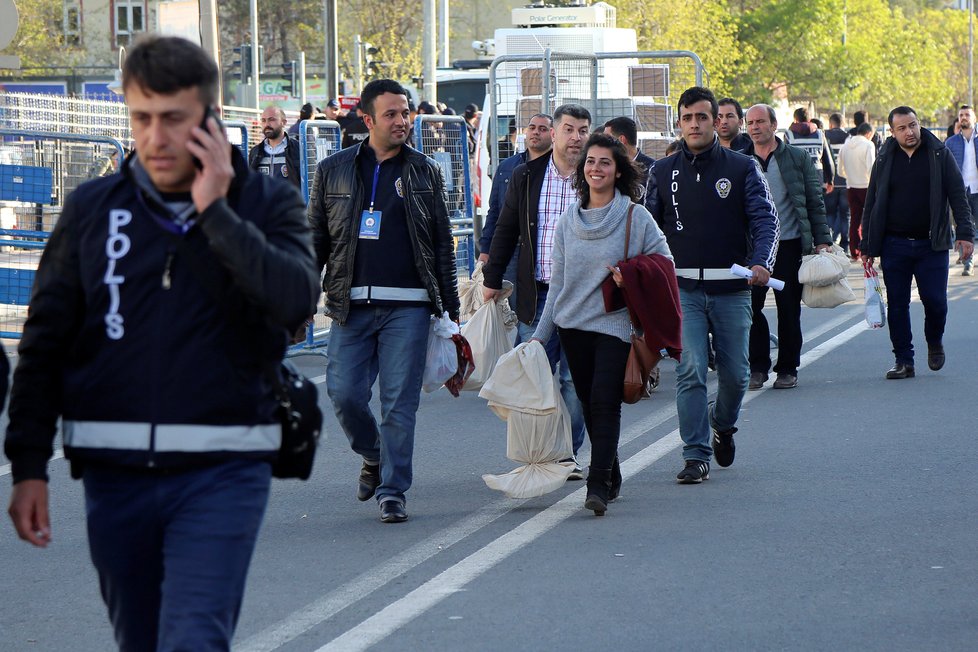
<point x="163" y="292"/>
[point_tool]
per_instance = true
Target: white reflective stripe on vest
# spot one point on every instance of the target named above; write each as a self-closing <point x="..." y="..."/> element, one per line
<point x="172" y="438"/>
<point x="697" y="274"/>
<point x="388" y="294"/>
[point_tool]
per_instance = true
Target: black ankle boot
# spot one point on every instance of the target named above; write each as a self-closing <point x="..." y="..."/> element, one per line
<point x="598" y="490"/>
<point x="615" y="481"/>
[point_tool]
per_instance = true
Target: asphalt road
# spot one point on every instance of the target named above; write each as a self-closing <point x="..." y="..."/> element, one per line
<point x="846" y="523"/>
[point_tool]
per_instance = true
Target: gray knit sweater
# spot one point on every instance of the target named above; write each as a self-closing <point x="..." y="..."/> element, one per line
<point x="585" y="242"/>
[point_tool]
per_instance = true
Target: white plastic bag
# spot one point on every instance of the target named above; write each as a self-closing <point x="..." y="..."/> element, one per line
<point x="470" y="294"/>
<point x="521" y="381"/>
<point x="824" y="268"/>
<point x="827" y="296"/>
<point x="441" y="360"/>
<point x="875" y="306"/>
<point x="490" y="339"/>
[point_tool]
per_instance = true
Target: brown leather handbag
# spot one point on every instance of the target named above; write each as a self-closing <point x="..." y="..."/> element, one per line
<point x="641" y="375"/>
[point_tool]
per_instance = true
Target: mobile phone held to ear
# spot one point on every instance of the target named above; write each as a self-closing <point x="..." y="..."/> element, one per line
<point x="208" y="113"/>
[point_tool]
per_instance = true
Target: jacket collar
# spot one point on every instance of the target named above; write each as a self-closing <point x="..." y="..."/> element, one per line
<point x="703" y="156"/>
<point x="927" y="140"/>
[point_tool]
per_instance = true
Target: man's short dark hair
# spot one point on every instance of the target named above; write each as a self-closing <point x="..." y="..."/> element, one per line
<point x="305" y="112"/>
<point x="965" y="107"/>
<point x="168" y="65"/>
<point x="695" y="94"/>
<point x="835" y="119"/>
<point x="541" y="115"/>
<point x="624" y="126"/>
<point x="801" y="114"/>
<point x="375" y="89"/>
<point x="863" y="129"/>
<point x="900" y="110"/>
<point x="575" y="111"/>
<point x="860" y="117"/>
<point x="736" y="106"/>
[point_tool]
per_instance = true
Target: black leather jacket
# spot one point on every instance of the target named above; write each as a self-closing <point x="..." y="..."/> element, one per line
<point x="334" y="216"/>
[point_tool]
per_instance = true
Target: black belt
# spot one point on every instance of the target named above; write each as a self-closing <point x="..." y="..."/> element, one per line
<point x="542" y="287"/>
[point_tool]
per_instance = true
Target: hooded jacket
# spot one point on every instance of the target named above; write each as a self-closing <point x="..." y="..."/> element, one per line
<point x="946" y="189"/>
<point x="805" y="188"/>
<point x="127" y="343"/>
<point x="334" y="215"/>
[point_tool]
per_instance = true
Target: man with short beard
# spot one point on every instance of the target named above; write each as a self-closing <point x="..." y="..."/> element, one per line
<point x="963" y="146"/>
<point x="731" y="122"/>
<point x="278" y="155"/>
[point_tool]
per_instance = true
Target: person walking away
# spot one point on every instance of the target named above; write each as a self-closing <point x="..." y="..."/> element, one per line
<point x="588" y="243"/>
<point x="963" y="146"/>
<point x="163" y="293"/>
<point x="715" y="209"/>
<point x="305" y="113"/>
<point x="797" y="192"/>
<point x="837" y="201"/>
<point x="382" y="234"/>
<point x="906" y="225"/>
<point x="856" y="160"/>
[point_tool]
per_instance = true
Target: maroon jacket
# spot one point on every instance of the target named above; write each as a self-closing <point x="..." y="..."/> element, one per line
<point x="651" y="294"/>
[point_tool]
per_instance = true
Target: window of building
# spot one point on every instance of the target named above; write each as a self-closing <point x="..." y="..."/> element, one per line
<point x="129" y="20"/>
<point x="72" y="23"/>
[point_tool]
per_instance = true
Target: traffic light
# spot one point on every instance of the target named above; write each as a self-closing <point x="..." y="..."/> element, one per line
<point x="370" y="66"/>
<point x="241" y="65"/>
<point x="291" y="84"/>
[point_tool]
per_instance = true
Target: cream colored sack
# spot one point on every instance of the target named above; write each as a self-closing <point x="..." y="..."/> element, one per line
<point x="471" y="298"/>
<point x="827" y="296"/>
<point x="522" y="382"/>
<point x="824" y="268"/>
<point x="489" y="338"/>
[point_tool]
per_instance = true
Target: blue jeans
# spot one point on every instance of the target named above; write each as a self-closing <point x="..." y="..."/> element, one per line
<point x="389" y="342"/>
<point x="555" y="355"/>
<point x="903" y="259"/>
<point x="837" y="214"/>
<point x="730" y="316"/>
<point x="172" y="551"/>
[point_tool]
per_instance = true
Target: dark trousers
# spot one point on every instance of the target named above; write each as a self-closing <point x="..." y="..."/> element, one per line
<point x="788" y="302"/>
<point x="172" y="551"/>
<point x="903" y="260"/>
<point x="837" y="214"/>
<point x="857" y="202"/>
<point x="597" y="365"/>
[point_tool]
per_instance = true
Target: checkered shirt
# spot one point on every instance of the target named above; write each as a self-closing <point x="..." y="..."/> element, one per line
<point x="556" y="195"/>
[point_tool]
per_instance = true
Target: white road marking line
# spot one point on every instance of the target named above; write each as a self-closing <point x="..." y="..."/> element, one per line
<point x="455" y="578"/>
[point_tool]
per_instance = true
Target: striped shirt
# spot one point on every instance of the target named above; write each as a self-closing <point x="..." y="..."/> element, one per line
<point x="556" y="195"/>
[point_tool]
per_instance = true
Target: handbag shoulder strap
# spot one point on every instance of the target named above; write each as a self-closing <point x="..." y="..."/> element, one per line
<point x="628" y="229"/>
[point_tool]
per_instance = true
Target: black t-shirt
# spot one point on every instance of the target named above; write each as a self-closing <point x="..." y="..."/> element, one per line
<point x="909" y="196"/>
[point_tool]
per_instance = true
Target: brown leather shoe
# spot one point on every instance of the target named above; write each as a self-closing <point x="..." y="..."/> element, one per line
<point x="757" y="380"/>
<point x="786" y="381"/>
<point x="935" y="357"/>
<point x="900" y="371"/>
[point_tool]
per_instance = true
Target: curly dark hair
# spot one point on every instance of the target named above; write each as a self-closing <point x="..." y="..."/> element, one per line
<point x="631" y="183"/>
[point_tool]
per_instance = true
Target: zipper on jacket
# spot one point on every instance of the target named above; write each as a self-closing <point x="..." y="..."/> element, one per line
<point x="165" y="282"/>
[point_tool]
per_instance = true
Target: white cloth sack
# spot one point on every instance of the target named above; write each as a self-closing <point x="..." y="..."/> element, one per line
<point x="490" y="339"/>
<point x="539" y="439"/>
<point x="471" y="298"/>
<point x="441" y="360"/>
<point x="875" y="306"/>
<point x="824" y="268"/>
<point x="521" y="382"/>
<point x="827" y="296"/>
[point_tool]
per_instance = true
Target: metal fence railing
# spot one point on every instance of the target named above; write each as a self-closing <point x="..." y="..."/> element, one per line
<point x="318" y="139"/>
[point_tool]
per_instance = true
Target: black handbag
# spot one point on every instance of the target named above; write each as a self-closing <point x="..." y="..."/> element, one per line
<point x="302" y="422"/>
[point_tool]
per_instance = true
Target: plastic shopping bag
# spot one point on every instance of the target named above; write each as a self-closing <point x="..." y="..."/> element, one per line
<point x="490" y="339"/>
<point x="539" y="442"/>
<point x="521" y="382"/>
<point x="470" y="294"/>
<point x="827" y="296"/>
<point x="875" y="306"/>
<point x="824" y="268"/>
<point x="441" y="360"/>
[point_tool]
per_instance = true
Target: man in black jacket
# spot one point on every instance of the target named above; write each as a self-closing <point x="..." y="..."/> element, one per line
<point x="162" y="295"/>
<point x="539" y="192"/>
<point x="381" y="231"/>
<point x="278" y="155"/>
<point x="906" y="224"/>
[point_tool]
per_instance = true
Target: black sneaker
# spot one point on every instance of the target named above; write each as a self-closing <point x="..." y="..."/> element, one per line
<point x="368" y="482"/>
<point x="695" y="472"/>
<point x="724" y="448"/>
<point x="578" y="472"/>
<point x="392" y="511"/>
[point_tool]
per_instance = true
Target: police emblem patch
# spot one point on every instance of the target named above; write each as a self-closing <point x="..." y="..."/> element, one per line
<point x="285" y="171"/>
<point x="723" y="187"/>
<point x="398" y="188"/>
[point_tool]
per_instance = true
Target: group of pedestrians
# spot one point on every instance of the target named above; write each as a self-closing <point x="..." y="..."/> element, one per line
<point x="190" y="255"/>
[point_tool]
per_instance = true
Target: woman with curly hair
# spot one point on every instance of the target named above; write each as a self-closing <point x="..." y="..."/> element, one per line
<point x="589" y="241"/>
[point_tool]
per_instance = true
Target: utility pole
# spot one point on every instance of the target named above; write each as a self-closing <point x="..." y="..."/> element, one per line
<point x="430" y="90"/>
<point x="331" y="62"/>
<point x="443" y="27"/>
<point x="971" y="53"/>
<point x="253" y="96"/>
<point x="302" y="77"/>
<point x="357" y="63"/>
<point x="210" y="41"/>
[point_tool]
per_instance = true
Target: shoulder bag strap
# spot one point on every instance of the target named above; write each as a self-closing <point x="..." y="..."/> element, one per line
<point x="628" y="229"/>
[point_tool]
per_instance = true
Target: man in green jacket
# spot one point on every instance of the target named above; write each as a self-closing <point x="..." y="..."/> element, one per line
<point x="796" y="190"/>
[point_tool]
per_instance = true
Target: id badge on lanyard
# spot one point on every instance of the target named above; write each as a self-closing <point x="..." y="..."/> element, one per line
<point x="370" y="219"/>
